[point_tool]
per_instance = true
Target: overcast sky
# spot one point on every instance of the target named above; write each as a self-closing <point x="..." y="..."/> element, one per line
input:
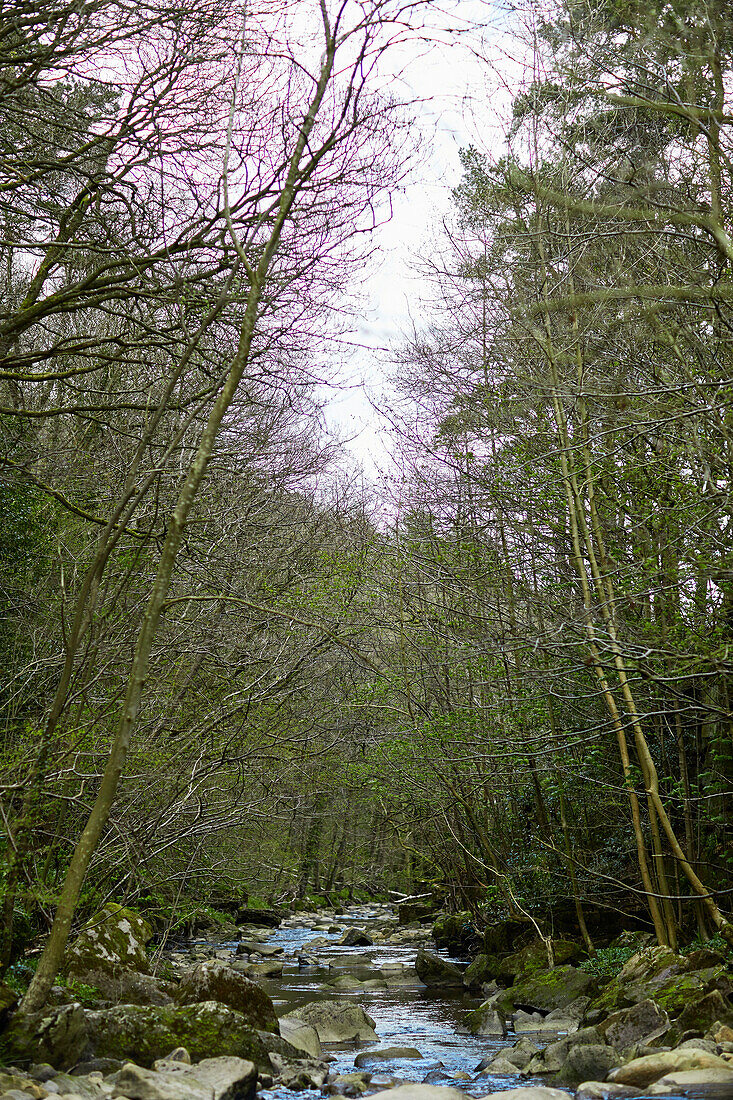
<point x="460" y="101"/>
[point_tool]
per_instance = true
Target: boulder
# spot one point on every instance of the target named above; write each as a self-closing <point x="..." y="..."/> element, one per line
<point x="211" y="1079"/>
<point x="554" y="1056"/>
<point x="270" y="969"/>
<point x="528" y="1092"/>
<point x="129" y="987"/>
<point x="652" y="963"/>
<point x="522" y="1053"/>
<point x="720" y="1082"/>
<point x="215" y="981"/>
<point x="255" y="947"/>
<point x="301" y="1036"/>
<point x="336" y="1021"/>
<point x="386" y="1054"/>
<point x="702" y="1013"/>
<point x="260" y="918"/>
<point x="589" y="1062"/>
<point x="300" y="1074"/>
<point x="642" y="1072"/>
<point x="114" y="939"/>
<point x="482" y="970"/>
<point x="500" y="938"/>
<point x="547" y="989"/>
<point x="457" y="933"/>
<point x="486" y="1020"/>
<point x="350" y="1084"/>
<point x="642" y="1022"/>
<point x="533" y="957"/>
<point x="348" y="983"/>
<point x="500" y="1067"/>
<point x="142" y="1035"/>
<point x="409" y="911"/>
<point x="604" y="1090"/>
<point x="434" y="971"/>
<point x="423" y="1092"/>
<point x="58" y="1036"/>
<point x="356" y="937"/>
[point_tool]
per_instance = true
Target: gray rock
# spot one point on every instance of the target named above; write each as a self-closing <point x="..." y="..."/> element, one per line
<point x="336" y="1021"/>
<point x="487" y="1021"/>
<point x="592" y="1062"/>
<point x="501" y="1067"/>
<point x="255" y="947"/>
<point x="642" y="1022"/>
<point x="211" y="1079"/>
<point x="143" y="1035"/>
<point x="521" y="1053"/>
<point x="356" y="937"/>
<point x="114" y="939"/>
<point x="350" y="1084"/>
<point x="528" y="1092"/>
<point x="386" y="1054"/>
<point x="215" y="981"/>
<point x="180" y="1054"/>
<point x="434" y="971"/>
<point x="553" y="1058"/>
<point x="301" y="1036"/>
<point x="301" y="1074"/>
<point x="423" y="1092"/>
<point x="604" y="1090"/>
<point x="699" y="1082"/>
<point x="642" y="1072"/>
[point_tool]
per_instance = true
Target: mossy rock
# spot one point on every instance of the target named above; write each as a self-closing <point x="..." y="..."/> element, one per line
<point x="142" y="1035"/>
<point x="457" y="933"/>
<point x="533" y="958"/>
<point x="501" y="937"/>
<point x="114" y="939"/>
<point x="213" y="980"/>
<point x="482" y="969"/>
<point x="700" y="1015"/>
<point x="136" y="1033"/>
<point x="547" y="989"/>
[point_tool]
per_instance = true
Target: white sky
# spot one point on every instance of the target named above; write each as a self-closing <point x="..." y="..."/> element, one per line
<point x="461" y="97"/>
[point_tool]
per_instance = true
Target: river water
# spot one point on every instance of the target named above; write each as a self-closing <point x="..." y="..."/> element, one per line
<point x="408" y="1015"/>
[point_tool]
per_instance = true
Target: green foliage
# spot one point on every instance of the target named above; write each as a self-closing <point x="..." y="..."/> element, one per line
<point x="607" y="961"/>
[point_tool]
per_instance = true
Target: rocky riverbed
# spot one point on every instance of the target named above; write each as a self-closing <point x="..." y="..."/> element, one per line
<point x="353" y="1003"/>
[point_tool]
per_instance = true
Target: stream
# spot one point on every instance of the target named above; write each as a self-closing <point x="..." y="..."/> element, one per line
<point x="407" y="1014"/>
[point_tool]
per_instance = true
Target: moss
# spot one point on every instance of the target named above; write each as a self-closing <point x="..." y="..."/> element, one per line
<point x="551" y="988"/>
<point x="144" y="1034"/>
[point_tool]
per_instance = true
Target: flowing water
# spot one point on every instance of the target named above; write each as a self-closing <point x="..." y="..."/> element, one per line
<point x="405" y="1015"/>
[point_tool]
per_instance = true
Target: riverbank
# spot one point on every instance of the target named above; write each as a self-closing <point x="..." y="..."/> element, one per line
<point x="352" y="1003"/>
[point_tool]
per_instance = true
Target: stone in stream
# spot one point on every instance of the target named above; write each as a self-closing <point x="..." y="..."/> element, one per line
<point x="642" y="1072"/>
<point x="301" y="1036"/>
<point x="424" y="1092"/>
<point x="501" y="1067"/>
<point x="348" y="983"/>
<point x="215" y="981"/>
<point x="301" y="1074"/>
<point x="260" y="918"/>
<point x="591" y="1062"/>
<point x="356" y="937"/>
<point x="552" y="1058"/>
<point x="133" y="1033"/>
<point x="604" y="1090"/>
<point x="715" y="1082"/>
<point x="211" y="1079"/>
<point x="642" y="1022"/>
<point x="386" y="1054"/>
<point x="256" y="947"/>
<point x="528" y="1092"/>
<point x="437" y="972"/>
<point x="336" y="1021"/>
